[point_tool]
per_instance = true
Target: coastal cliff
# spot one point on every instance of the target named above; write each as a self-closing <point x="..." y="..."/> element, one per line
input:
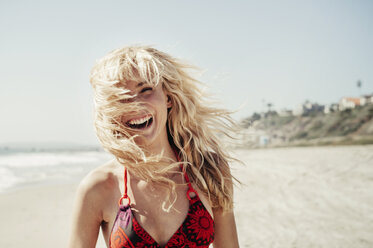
<point x="347" y="127"/>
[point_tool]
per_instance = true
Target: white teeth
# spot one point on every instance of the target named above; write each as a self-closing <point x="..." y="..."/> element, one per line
<point x="139" y="120"/>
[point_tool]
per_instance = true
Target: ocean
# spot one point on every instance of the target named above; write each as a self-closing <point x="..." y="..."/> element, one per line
<point x="27" y="167"/>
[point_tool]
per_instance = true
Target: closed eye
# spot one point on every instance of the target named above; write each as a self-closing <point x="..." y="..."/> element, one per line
<point x="146" y="89"/>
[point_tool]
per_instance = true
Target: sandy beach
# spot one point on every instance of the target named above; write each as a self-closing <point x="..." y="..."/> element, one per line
<point x="289" y="197"/>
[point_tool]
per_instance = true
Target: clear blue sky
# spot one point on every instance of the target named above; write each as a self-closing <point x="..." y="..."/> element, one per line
<point x="282" y="52"/>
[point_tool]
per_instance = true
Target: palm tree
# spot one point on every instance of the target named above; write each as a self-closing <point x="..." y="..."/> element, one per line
<point x="359" y="84"/>
<point x="269" y="105"/>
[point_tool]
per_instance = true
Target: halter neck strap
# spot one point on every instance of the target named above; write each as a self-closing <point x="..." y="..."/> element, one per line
<point x="186" y="178"/>
<point x="125" y="195"/>
<point x="191" y="190"/>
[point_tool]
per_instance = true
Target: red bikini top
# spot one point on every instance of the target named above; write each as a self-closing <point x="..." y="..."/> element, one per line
<point x="197" y="230"/>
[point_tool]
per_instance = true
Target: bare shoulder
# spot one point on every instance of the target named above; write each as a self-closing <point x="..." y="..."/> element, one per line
<point x="95" y="193"/>
<point x="99" y="184"/>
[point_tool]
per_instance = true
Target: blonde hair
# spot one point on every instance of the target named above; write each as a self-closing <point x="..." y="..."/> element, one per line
<point x="193" y="126"/>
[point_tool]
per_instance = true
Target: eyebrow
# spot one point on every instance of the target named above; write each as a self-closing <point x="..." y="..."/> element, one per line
<point x="140" y="84"/>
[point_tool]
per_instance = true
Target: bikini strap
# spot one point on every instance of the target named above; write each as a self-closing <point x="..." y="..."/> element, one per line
<point x="190" y="188"/>
<point x="125" y="195"/>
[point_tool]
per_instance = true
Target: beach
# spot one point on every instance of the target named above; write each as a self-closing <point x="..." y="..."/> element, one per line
<point x="289" y="197"/>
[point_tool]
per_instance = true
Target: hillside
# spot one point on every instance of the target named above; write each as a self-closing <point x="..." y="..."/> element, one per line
<point x="351" y="126"/>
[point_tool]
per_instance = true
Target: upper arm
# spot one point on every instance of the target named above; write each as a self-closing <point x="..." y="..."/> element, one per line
<point x="225" y="229"/>
<point x="225" y="224"/>
<point x="87" y="215"/>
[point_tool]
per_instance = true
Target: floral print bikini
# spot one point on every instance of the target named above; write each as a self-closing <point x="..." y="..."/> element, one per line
<point x="197" y="230"/>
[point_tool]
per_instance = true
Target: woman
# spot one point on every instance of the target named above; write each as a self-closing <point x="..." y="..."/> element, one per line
<point x="170" y="175"/>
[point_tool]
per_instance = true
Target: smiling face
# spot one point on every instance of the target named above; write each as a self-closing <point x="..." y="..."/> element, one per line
<point x="150" y="123"/>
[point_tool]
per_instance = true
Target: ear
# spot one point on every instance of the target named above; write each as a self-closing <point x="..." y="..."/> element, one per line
<point x="169" y="102"/>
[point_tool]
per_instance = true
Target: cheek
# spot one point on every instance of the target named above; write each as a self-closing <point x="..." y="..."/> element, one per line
<point x="158" y="99"/>
<point x="123" y="120"/>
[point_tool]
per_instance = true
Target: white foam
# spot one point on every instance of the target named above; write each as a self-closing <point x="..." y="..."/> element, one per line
<point x="7" y="179"/>
<point x="34" y="167"/>
<point x="51" y="159"/>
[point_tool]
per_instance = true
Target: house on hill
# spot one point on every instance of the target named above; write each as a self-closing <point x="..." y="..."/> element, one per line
<point x="307" y="108"/>
<point x="351" y="102"/>
<point x="368" y="98"/>
<point x="329" y="108"/>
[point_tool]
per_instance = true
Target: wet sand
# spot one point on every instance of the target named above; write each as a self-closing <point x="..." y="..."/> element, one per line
<point x="290" y="197"/>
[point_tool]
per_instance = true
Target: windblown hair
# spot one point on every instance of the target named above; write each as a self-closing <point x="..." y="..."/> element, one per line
<point x="193" y="127"/>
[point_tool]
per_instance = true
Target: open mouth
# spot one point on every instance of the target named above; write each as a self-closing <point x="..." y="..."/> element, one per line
<point x="140" y="123"/>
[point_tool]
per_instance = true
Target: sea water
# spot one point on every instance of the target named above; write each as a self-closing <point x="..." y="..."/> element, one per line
<point x="20" y="168"/>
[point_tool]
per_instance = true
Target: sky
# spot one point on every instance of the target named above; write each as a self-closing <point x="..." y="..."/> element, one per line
<point x="250" y="52"/>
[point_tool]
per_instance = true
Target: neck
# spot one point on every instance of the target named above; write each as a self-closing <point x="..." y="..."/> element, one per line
<point x="164" y="148"/>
